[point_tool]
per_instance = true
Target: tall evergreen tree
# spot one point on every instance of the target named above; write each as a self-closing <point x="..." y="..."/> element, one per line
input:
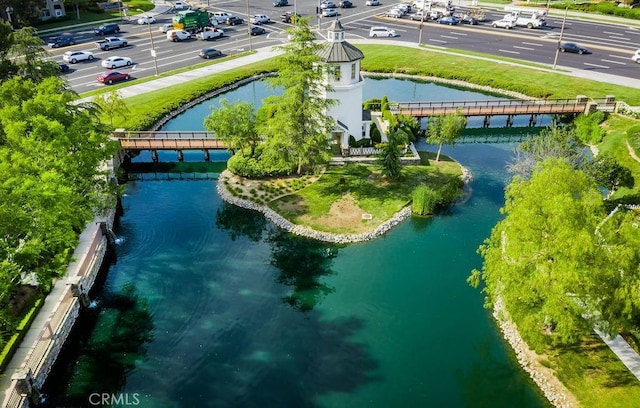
<point x="296" y="124"/>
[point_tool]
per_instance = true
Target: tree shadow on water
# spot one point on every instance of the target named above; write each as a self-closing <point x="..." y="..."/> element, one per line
<point x="294" y="368"/>
<point x="101" y="365"/>
<point x="301" y="264"/>
<point x="240" y="222"/>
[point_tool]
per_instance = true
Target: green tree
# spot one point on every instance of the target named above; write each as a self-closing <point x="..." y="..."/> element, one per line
<point x="552" y="142"/>
<point x="296" y="124"/>
<point x="389" y="156"/>
<point x="235" y="124"/>
<point x="608" y="173"/>
<point x="588" y="128"/>
<point x="444" y="129"/>
<point x="544" y="259"/>
<point x="112" y="105"/>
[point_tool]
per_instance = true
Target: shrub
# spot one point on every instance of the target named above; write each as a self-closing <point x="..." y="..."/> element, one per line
<point x="375" y="134"/>
<point x="352" y="141"/>
<point x="425" y="200"/>
<point x="372" y="104"/>
<point x="588" y="127"/>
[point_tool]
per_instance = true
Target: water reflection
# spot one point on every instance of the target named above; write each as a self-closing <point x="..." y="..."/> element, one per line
<point x="239" y="222"/>
<point x="301" y="264"/>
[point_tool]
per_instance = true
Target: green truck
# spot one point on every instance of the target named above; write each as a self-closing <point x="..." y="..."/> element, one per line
<point x="193" y="21"/>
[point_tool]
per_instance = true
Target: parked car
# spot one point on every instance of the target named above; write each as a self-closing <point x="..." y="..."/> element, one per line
<point x="573" y="47"/>
<point x="289" y="17"/>
<point x="330" y="12"/>
<point x="504" y="23"/>
<point x="63" y="67"/>
<point x="372" y="3"/>
<point x="107" y="29"/>
<point x="259" y="19"/>
<point x="208" y="53"/>
<point x="166" y="27"/>
<point x="178" y="35"/>
<point x="221" y="16"/>
<point x="636" y="56"/>
<point x="395" y="13"/>
<point x="404" y="7"/>
<point x="56" y="42"/>
<point x="450" y="20"/>
<point x="345" y="4"/>
<point x="76" y="56"/>
<point x="233" y="20"/>
<point x="146" y="20"/>
<point x="113" y="76"/>
<point x="255" y="30"/>
<point x="419" y="16"/>
<point x="116" y="62"/>
<point x="280" y="3"/>
<point x="381" y="32"/>
<point x="181" y="5"/>
<point x="327" y="5"/>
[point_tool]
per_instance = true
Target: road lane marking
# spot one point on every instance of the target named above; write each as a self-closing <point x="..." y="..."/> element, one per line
<point x="614" y="62"/>
<point x="523" y="48"/>
<point x="509" y="51"/>
<point x="596" y="65"/>
<point x="534" y="44"/>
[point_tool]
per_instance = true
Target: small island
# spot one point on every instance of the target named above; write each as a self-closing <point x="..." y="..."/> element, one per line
<point x="346" y="203"/>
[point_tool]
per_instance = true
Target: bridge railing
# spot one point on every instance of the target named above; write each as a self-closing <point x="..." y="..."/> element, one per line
<point x="141" y="134"/>
<point x="492" y="107"/>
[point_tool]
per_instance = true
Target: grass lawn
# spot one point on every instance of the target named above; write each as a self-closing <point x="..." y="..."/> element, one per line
<point x="88" y="17"/>
<point x="615" y="145"/>
<point x="595" y="375"/>
<point x="336" y="201"/>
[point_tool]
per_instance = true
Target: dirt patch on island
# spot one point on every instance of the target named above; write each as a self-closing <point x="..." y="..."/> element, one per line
<point x="344" y="214"/>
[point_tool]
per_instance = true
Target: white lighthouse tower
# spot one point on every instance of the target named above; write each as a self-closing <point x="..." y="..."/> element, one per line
<point x="345" y="84"/>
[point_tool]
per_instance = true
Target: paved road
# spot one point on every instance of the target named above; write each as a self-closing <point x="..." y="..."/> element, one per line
<point x="612" y="45"/>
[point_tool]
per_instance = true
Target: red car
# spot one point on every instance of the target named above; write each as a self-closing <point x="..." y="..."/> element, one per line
<point x="111" y="77"/>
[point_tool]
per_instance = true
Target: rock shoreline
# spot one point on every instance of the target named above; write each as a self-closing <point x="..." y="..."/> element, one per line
<point x="543" y="377"/>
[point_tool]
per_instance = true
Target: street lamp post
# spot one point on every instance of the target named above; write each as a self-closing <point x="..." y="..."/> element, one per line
<point x="249" y="28"/>
<point x="153" y="48"/>
<point x="555" y="60"/>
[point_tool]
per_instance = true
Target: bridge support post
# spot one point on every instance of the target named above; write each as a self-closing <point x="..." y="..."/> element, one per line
<point x="487" y="121"/>
<point x="180" y="155"/>
<point x="154" y="156"/>
<point x="532" y="120"/>
<point x="206" y="155"/>
<point x="509" y="120"/>
<point x="78" y="290"/>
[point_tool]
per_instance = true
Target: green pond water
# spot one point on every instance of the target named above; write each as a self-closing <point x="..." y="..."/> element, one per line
<point x="209" y="305"/>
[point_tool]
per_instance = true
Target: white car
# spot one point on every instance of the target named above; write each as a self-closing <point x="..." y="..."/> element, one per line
<point x="328" y="5"/>
<point x="636" y="57"/>
<point x="331" y="12"/>
<point x="381" y="32"/>
<point x="504" y="23"/>
<point x="77" y="56"/>
<point x="259" y="19"/>
<point x="146" y="20"/>
<point x="115" y="62"/>
<point x="166" y="27"/>
<point x="181" y="5"/>
<point x="395" y="13"/>
<point x="372" y="3"/>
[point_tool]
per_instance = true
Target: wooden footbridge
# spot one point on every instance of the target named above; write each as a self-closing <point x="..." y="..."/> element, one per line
<point x="168" y="140"/>
<point x="505" y="107"/>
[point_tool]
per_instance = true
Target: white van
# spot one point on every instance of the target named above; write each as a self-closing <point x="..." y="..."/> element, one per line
<point x="178" y="35"/>
<point x="636" y="57"/>
<point x="381" y="32"/>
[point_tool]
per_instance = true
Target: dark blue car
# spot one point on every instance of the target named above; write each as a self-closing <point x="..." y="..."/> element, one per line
<point x="451" y="20"/>
<point x="56" y="42"/>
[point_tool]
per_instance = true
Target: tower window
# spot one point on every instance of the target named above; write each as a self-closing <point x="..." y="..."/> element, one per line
<point x="353" y="71"/>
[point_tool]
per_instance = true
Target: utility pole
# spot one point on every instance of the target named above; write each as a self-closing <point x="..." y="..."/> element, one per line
<point x="249" y="28"/>
<point x="555" y="60"/>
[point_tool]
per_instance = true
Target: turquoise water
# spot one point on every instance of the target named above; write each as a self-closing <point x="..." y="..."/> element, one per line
<point x="209" y="305"/>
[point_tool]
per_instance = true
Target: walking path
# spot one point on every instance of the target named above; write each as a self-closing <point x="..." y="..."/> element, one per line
<point x="626" y="354"/>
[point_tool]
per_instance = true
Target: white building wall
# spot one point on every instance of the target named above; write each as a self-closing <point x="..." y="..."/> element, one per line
<point x="348" y="109"/>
